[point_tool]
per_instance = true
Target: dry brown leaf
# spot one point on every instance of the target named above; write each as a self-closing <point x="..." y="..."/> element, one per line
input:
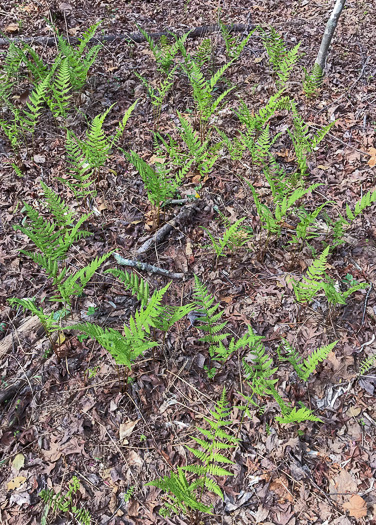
<point x="372" y="160"/>
<point x="356" y="506"/>
<point x="12" y="28"/>
<point x="280" y="487"/>
<point x="16" y="482"/>
<point x="126" y="430"/>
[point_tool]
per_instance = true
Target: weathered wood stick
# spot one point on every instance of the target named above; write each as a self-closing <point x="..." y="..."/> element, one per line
<point x="161" y="234"/>
<point x="147" y="267"/>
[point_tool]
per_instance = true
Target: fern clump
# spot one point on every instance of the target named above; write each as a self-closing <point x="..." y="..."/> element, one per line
<point x="316" y="280"/>
<point x="283" y="61"/>
<point x="231" y="239"/>
<point x="259" y="372"/>
<point x="79" y="60"/>
<point x="312" y="81"/>
<point x="188" y="497"/>
<point x="304" y="368"/>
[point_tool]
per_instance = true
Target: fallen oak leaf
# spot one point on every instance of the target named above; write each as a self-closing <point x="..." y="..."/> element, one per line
<point x="356" y="506"/>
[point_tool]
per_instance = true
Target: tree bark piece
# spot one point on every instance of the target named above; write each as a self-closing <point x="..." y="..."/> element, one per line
<point x="136" y="38"/>
<point x="328" y="35"/>
<point x="184" y="214"/>
<point x="147" y="267"/>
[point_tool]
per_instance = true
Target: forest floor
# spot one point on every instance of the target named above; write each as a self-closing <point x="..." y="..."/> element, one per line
<point x="70" y="416"/>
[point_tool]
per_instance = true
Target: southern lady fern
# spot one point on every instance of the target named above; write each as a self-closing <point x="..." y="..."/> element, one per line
<point x="367" y="200"/>
<point x="282" y="60"/>
<point x="210" y="318"/>
<point x="303" y="141"/>
<point x="304" y="367"/>
<point x="259" y="372"/>
<point x="316" y="279"/>
<point x="136" y="339"/>
<point x="229" y="240"/>
<point x="187" y="496"/>
<point x="53" y="238"/>
<point x="79" y="60"/>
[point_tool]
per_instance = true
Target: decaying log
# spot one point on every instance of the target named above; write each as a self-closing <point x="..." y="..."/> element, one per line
<point x="136" y="38"/>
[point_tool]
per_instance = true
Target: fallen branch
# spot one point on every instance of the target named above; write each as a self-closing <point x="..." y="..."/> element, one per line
<point x="147" y="267"/>
<point x="161" y="234"/>
<point x="136" y="38"/>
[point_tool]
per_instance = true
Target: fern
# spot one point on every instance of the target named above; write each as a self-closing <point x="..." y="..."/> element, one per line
<point x="304" y="368"/>
<point x="312" y="81"/>
<point x="121" y="127"/>
<point x="274" y="219"/>
<point x="256" y="122"/>
<point x="164" y="53"/>
<point x="171" y="315"/>
<point x="79" y="63"/>
<point x="229" y="240"/>
<point x="158" y="94"/>
<point x="209" y="318"/>
<point x="160" y="183"/>
<point x="34" y="105"/>
<point x="367" y="200"/>
<point x="73" y="285"/>
<point x="61" y="91"/>
<point x="367" y="364"/>
<point x="48" y="321"/>
<point x="306" y="220"/>
<point x="298" y="416"/>
<point x="206" y="104"/>
<point x="135" y="341"/>
<point x="137" y="285"/>
<point x="186" y="497"/>
<point x="53" y="239"/>
<point x="204" y="52"/>
<point x="282" y="60"/>
<point x="303" y="143"/>
<point x="79" y="169"/>
<point x="96" y="146"/>
<point x="316" y="280"/>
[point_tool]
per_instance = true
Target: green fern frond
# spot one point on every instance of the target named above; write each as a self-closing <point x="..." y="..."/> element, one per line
<point x="367" y="200"/>
<point x="59" y="209"/>
<point x="34" y="104"/>
<point x="230" y="239"/>
<point x="137" y="285"/>
<point x="74" y="284"/>
<point x="48" y="321"/>
<point x="122" y="124"/>
<point x="366" y="364"/>
<point x="209" y="320"/>
<point x="61" y="90"/>
<point x="298" y="416"/>
<point x="310" y="363"/>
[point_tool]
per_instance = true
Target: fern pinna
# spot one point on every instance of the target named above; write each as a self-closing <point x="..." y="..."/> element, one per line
<point x="187" y="496"/>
